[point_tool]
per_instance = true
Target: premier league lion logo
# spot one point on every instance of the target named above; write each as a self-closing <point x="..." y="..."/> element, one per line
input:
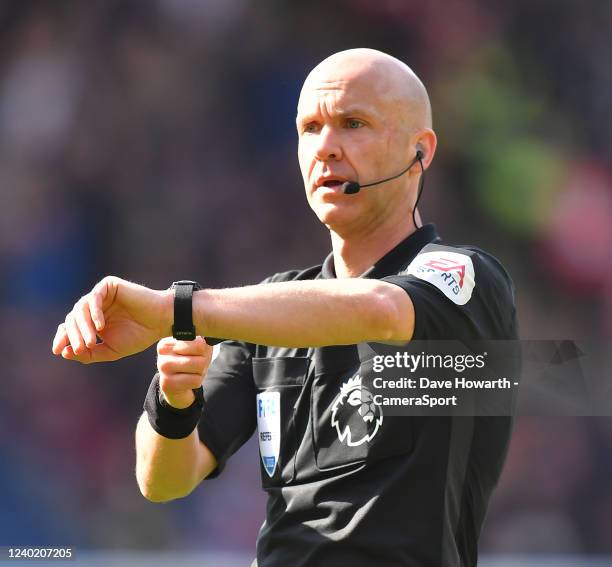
<point x="354" y="414"/>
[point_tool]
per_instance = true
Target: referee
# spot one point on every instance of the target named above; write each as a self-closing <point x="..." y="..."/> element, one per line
<point x="347" y="486"/>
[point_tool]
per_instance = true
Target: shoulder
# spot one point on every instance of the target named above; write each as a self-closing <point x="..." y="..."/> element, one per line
<point x="459" y="290"/>
<point x="460" y="270"/>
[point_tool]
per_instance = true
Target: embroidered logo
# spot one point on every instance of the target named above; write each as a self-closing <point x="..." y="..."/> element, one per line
<point x="354" y="414"/>
<point x="268" y="426"/>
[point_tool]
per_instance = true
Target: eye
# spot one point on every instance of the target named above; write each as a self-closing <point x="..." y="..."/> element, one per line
<point x="353" y="123"/>
<point x="311" y="128"/>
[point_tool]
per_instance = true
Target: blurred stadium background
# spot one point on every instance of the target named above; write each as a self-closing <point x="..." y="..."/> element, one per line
<point x="155" y="140"/>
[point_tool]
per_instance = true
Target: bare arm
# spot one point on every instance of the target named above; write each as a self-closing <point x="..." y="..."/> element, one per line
<point x="307" y="313"/>
<point x="171" y="468"/>
<point x="129" y="318"/>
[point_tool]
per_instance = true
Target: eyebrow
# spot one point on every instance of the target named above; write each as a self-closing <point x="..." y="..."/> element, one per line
<point x="342" y="113"/>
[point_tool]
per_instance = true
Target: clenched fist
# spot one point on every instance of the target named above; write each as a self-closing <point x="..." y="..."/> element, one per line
<point x="182" y="365"/>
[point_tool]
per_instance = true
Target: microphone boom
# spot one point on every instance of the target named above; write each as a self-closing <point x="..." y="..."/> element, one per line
<point x="353" y="187"/>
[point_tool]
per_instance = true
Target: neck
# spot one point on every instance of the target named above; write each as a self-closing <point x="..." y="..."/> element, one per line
<point x="354" y="255"/>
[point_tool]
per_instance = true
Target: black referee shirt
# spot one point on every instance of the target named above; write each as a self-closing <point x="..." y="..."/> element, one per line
<point x="415" y="491"/>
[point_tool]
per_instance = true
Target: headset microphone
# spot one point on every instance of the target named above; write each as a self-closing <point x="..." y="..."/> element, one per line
<point x="352" y="187"/>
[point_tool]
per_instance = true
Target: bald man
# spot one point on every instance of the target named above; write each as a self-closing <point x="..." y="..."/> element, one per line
<point x="347" y="485"/>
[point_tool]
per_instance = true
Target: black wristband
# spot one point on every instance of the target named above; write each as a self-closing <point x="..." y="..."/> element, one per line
<point x="168" y="421"/>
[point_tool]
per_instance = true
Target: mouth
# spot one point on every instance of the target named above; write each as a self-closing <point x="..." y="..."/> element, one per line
<point x="334" y="183"/>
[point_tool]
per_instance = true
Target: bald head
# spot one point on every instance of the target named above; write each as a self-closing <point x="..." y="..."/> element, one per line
<point x="386" y="78"/>
<point x="363" y="116"/>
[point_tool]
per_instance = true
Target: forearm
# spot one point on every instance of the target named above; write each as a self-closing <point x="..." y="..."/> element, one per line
<point x="167" y="469"/>
<point x="306" y="313"/>
<point x="129" y="318"/>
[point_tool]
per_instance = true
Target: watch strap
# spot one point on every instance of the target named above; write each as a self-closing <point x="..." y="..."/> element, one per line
<point x="183" y="328"/>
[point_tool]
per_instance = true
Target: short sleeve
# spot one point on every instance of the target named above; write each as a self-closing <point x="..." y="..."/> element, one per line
<point x="458" y="294"/>
<point x="228" y="417"/>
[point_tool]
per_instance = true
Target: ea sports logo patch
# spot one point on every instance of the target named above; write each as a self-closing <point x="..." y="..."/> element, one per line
<point x="448" y="265"/>
<point x="450" y="272"/>
<point x="354" y="414"/>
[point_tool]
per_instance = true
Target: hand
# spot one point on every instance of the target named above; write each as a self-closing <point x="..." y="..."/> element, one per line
<point x="127" y="317"/>
<point x="182" y="365"/>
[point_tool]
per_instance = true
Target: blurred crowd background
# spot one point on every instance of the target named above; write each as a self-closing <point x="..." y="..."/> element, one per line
<point x="155" y="140"/>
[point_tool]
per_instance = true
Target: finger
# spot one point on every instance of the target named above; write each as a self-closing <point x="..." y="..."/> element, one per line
<point x="82" y="318"/>
<point x="176" y="383"/>
<point x="198" y="347"/>
<point x="68" y="353"/>
<point x="60" y="340"/>
<point x="169" y="345"/>
<point x="165" y="345"/>
<point x="208" y="352"/>
<point x="177" y="364"/>
<point x="76" y="340"/>
<point x="95" y="300"/>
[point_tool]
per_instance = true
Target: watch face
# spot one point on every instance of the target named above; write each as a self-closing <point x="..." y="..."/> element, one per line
<point x="182" y="282"/>
<point x="196" y="285"/>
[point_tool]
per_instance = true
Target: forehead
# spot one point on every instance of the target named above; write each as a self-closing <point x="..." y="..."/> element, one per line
<point x="343" y="92"/>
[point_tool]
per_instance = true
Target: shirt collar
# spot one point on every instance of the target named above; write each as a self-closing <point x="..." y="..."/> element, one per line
<point x="397" y="258"/>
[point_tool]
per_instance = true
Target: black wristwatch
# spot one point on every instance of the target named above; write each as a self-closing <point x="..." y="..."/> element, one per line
<point x="183" y="328"/>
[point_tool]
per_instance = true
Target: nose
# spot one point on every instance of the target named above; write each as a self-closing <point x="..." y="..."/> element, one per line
<point x="328" y="145"/>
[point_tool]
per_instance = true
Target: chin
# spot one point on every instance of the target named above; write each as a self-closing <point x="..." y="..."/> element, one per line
<point x="335" y="217"/>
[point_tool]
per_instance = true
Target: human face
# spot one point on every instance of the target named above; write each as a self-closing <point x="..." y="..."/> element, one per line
<point x="349" y="129"/>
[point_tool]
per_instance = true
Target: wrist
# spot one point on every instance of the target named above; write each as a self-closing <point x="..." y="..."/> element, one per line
<point x="166" y="298"/>
<point x="199" y="299"/>
<point x="203" y="321"/>
<point x="177" y="400"/>
<point x="169" y="421"/>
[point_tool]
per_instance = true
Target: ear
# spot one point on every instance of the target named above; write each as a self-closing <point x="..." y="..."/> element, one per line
<point x="426" y="141"/>
<point x="420" y="154"/>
